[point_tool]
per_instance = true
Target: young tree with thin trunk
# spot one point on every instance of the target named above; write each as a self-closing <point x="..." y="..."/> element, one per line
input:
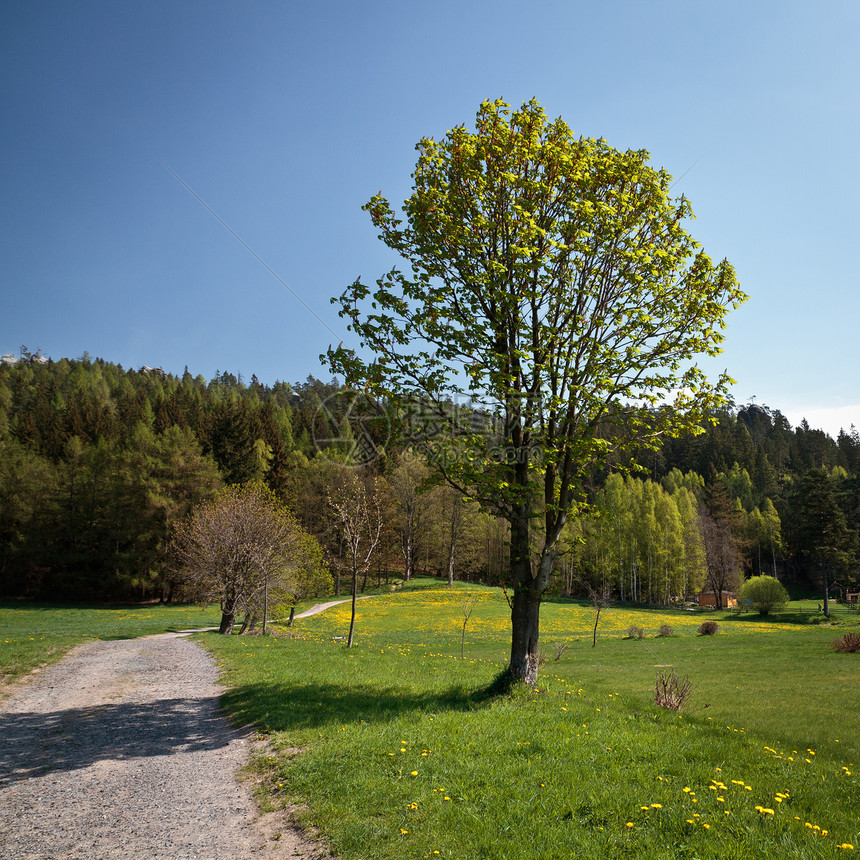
<point x="407" y="481"/>
<point x="358" y="517"/>
<point x="550" y="279"/>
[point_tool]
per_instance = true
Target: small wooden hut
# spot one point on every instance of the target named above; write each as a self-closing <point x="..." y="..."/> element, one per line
<point x="708" y="600"/>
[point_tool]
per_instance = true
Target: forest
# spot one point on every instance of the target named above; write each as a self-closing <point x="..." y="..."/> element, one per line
<point x="99" y="465"/>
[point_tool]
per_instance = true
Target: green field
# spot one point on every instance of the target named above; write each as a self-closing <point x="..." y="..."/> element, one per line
<point x="404" y="755"/>
<point x="396" y="750"/>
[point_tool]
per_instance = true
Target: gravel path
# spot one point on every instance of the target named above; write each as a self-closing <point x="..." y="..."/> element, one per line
<point x="321" y="607"/>
<point x="121" y="751"/>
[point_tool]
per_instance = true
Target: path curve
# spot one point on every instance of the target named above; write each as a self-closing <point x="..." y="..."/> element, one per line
<point x="120" y="750"/>
<point x="321" y="607"/>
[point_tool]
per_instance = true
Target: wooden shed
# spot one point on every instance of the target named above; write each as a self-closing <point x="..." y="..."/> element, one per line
<point x="709" y="600"/>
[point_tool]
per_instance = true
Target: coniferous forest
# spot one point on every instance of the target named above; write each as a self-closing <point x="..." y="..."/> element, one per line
<point x="99" y="464"/>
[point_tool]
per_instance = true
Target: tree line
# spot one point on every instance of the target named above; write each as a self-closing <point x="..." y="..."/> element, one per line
<point x="99" y="464"/>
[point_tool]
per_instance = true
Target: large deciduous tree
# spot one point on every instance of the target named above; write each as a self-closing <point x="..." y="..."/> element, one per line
<point x="552" y="282"/>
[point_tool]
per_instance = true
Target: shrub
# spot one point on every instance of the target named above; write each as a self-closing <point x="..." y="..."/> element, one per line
<point x="560" y="648"/>
<point x="670" y="691"/>
<point x="665" y="630"/>
<point x="764" y="593"/>
<point x="847" y="644"/>
<point x="708" y="628"/>
<point x="634" y="632"/>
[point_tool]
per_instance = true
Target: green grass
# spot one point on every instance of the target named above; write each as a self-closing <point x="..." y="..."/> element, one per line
<point x="33" y="635"/>
<point x="403" y="754"/>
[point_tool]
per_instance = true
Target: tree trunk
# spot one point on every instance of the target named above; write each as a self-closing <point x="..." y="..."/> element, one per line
<point x="227" y="619"/>
<point x="525" y="606"/>
<point x="352" y="618"/>
<point x="525" y="639"/>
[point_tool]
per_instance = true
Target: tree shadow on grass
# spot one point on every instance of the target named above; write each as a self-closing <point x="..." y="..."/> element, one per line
<point x="37" y="743"/>
<point x="284" y="707"/>
<point x="800" y="619"/>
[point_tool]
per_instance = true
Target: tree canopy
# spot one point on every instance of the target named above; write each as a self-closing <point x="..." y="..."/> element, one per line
<point x="552" y="281"/>
<point x="763" y="593"/>
<point x="245" y="550"/>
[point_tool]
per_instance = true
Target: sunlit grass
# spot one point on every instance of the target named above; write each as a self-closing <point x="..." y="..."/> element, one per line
<point x="404" y="756"/>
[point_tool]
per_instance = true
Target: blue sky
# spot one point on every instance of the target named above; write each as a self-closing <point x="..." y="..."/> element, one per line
<point x="284" y="118"/>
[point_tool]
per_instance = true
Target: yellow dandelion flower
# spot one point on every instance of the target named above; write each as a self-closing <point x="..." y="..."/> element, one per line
<point x="630" y="824"/>
<point x="414" y="773"/>
<point x="847" y="846"/>
<point x="656" y="806"/>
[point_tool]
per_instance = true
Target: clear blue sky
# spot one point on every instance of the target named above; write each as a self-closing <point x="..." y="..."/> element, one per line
<point x="286" y="117"/>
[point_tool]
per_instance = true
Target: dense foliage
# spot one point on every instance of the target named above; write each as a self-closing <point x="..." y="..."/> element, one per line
<point x="98" y="464"/>
<point x="763" y="593"/>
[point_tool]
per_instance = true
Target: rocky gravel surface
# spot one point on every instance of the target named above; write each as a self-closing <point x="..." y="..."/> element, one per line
<point x="121" y="751"/>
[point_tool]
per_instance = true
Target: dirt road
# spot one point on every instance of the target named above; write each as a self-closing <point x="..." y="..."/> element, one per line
<point x="121" y="751"/>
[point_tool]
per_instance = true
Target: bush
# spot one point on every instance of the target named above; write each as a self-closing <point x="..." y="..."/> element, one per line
<point x="708" y="628"/>
<point x="634" y="632"/>
<point x="665" y="630"/>
<point x="670" y="691"/>
<point x="847" y="644"/>
<point x="764" y="593"/>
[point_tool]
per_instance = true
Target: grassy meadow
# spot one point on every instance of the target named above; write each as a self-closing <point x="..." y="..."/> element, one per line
<point x="394" y="749"/>
<point x="404" y="755"/>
